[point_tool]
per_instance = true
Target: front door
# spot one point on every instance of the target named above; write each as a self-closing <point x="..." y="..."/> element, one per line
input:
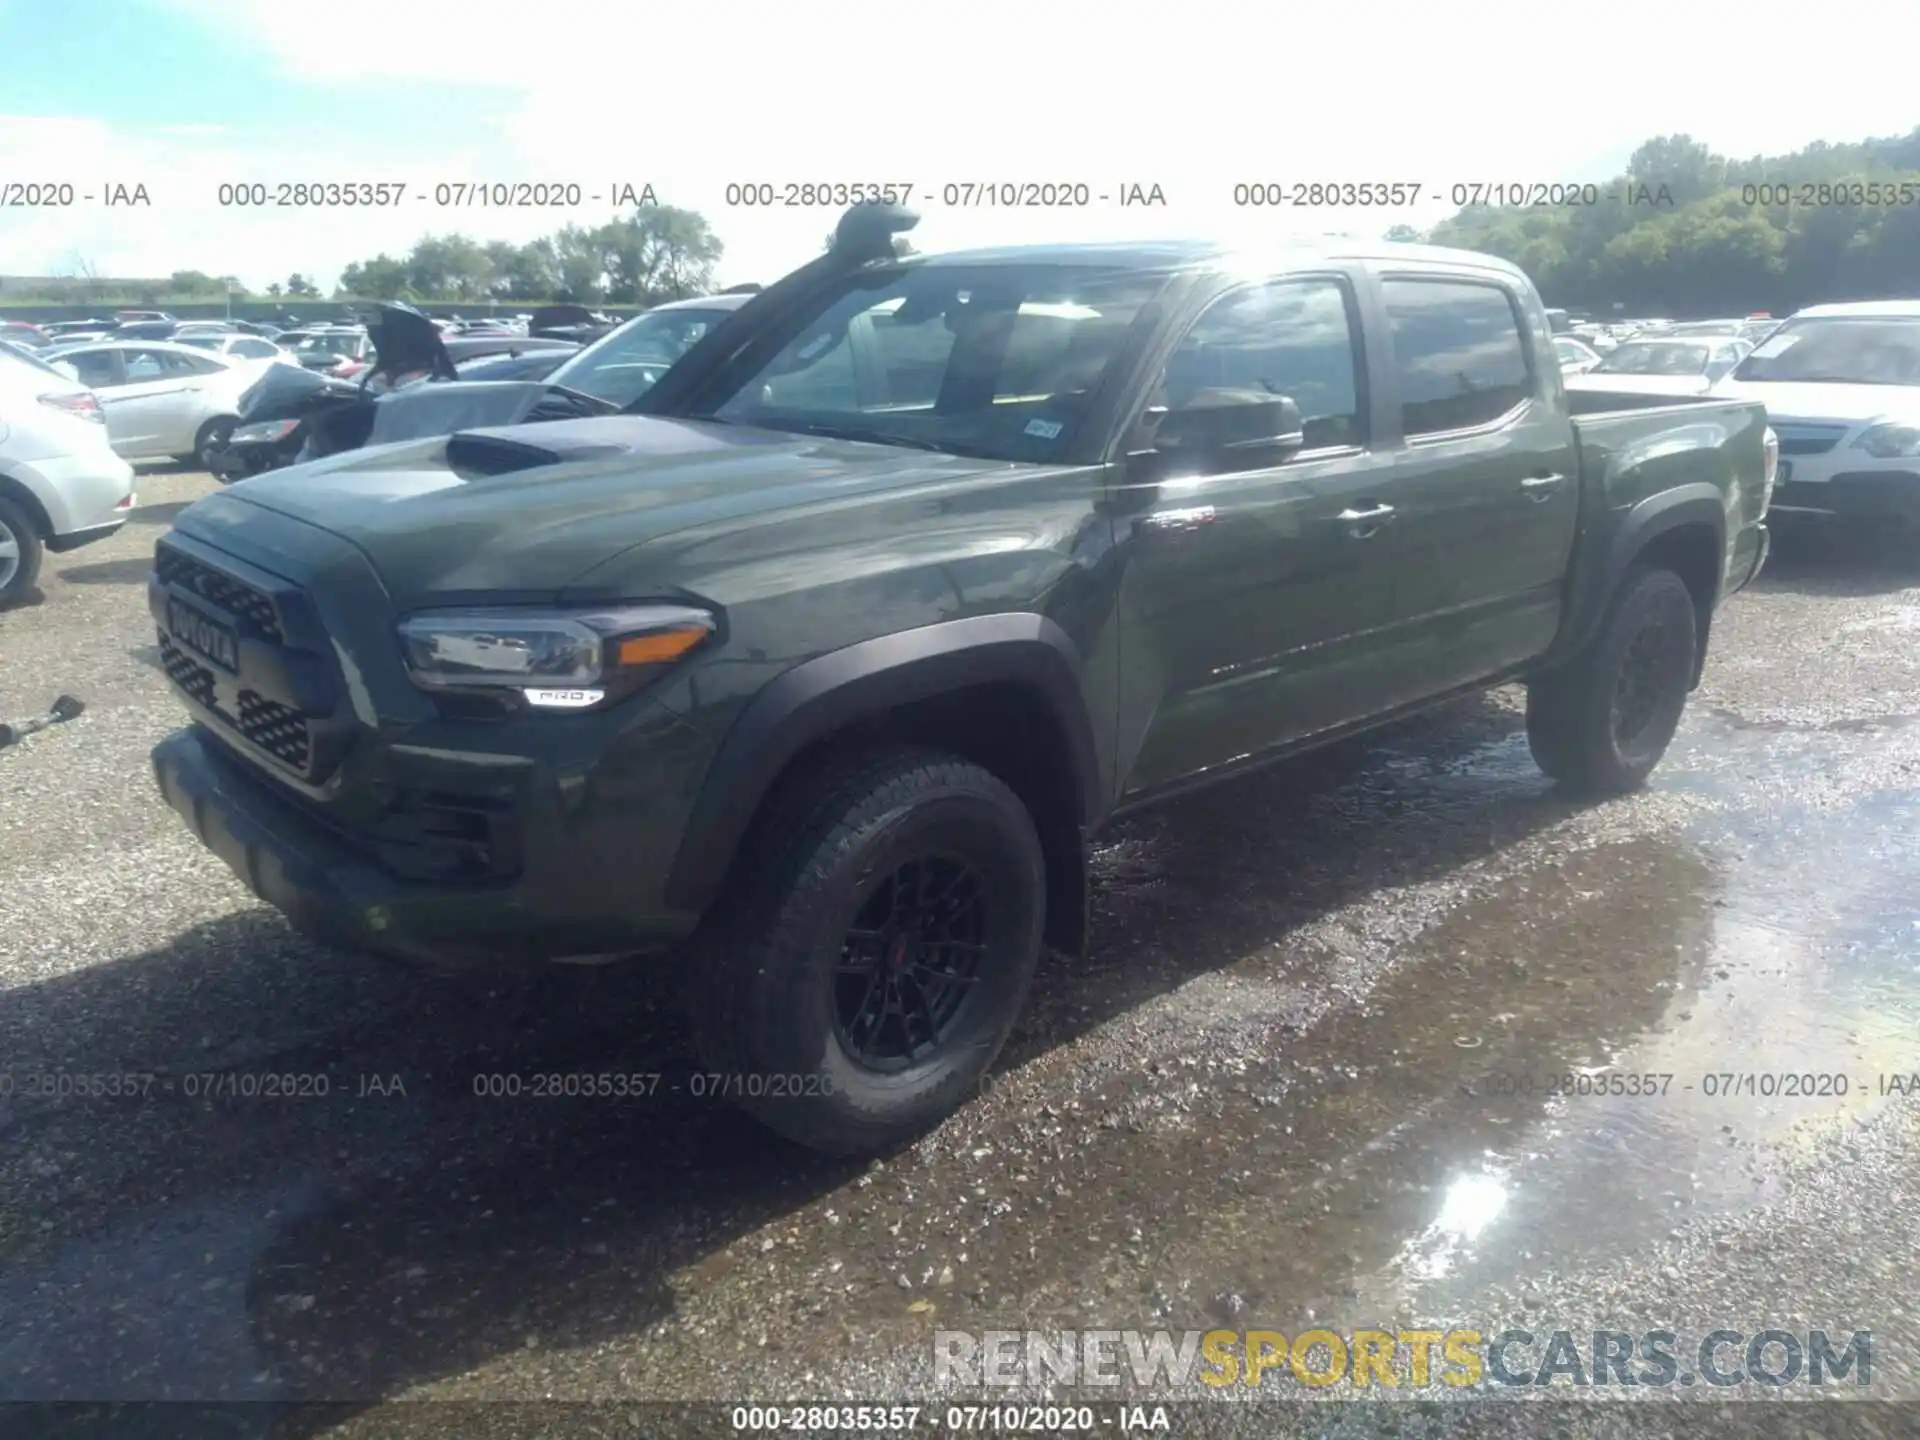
<point x="1250" y="596"/>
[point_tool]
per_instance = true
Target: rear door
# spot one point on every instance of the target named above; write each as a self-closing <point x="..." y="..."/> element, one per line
<point x="149" y="403"/>
<point x="1486" y="494"/>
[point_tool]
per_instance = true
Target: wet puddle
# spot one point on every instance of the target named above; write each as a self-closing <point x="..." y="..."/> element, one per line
<point x="1632" y="1035"/>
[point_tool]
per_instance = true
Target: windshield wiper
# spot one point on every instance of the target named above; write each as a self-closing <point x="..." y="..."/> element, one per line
<point x="605" y="407"/>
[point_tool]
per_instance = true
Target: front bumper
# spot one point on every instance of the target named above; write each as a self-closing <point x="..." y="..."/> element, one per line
<point x="332" y="887"/>
<point x="1816" y="485"/>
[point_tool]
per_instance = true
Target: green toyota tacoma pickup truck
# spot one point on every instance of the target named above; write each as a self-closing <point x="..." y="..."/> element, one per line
<point x="820" y="666"/>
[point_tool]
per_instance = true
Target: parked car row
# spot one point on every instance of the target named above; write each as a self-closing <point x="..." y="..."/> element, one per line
<point x="450" y="382"/>
<point x="1603" y="337"/>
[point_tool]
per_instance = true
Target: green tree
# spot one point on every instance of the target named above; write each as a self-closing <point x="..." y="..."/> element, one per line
<point x="381" y="278"/>
<point x="194" y="282"/>
<point x="524" y="272"/>
<point x="658" y="253"/>
<point x="1736" y="236"/>
<point x="449" y="267"/>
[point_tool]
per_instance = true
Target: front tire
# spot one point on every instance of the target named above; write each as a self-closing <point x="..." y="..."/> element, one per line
<point x="873" y="949"/>
<point x="1601" y="724"/>
<point x="20" y="553"/>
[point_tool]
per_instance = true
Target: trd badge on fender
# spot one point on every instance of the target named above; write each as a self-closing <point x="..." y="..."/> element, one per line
<point x="204" y="635"/>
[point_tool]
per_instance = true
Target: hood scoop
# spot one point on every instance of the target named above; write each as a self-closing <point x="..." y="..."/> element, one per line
<point x="473" y="454"/>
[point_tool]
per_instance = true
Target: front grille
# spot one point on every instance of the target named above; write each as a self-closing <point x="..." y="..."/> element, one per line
<point x="281" y="732"/>
<point x="1808" y="439"/>
<point x="195" y="679"/>
<point x="250" y="606"/>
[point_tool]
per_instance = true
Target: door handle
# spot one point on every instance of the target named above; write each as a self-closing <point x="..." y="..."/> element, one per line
<point x="1174" y="522"/>
<point x="1541" y="487"/>
<point x="1363" y="523"/>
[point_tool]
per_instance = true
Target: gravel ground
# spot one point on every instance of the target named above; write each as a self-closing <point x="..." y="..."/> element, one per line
<point x="1300" y="1080"/>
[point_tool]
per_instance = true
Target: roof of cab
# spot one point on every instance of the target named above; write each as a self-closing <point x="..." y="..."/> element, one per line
<point x="1208" y="255"/>
<point x="1861" y="309"/>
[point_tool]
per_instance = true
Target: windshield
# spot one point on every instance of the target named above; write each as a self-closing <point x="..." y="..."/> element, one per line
<point x="623" y="365"/>
<point x="1655" y="357"/>
<point x="997" y="361"/>
<point x="1839" y="351"/>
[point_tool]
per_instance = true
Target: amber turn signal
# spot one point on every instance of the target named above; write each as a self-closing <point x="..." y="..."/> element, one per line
<point x="658" y="646"/>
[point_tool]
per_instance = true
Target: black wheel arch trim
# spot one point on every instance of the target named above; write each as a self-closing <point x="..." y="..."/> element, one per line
<point x="827" y="694"/>
<point x="1696" y="504"/>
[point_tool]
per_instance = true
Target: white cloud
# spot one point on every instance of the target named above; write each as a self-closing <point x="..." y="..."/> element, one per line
<point x="1194" y="97"/>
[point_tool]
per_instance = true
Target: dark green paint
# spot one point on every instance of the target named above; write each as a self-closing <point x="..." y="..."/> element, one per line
<point x="1197" y="649"/>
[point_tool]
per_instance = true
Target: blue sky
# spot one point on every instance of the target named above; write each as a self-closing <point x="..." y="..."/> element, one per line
<point x="1194" y="96"/>
<point x="139" y="63"/>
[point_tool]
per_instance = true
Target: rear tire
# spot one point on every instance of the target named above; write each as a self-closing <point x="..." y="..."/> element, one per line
<point x="20" y="553"/>
<point x="873" y="949"/>
<point x="1600" y="725"/>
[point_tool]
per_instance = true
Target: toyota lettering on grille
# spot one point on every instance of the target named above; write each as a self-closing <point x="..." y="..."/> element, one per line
<point x="204" y="635"/>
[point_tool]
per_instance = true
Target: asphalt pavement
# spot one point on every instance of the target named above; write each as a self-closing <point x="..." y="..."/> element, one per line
<point x="1328" y="1063"/>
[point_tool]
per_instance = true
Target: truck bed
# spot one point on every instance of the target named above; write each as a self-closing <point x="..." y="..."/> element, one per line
<point x="1635" y="446"/>
<point x="1608" y="402"/>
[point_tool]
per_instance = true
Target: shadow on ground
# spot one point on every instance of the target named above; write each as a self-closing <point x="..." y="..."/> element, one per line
<point x="1811" y="557"/>
<point x="131" y="571"/>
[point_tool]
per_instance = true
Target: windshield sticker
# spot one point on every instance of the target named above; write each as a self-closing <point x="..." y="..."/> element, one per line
<point x="1779" y="345"/>
<point x="1044" y="429"/>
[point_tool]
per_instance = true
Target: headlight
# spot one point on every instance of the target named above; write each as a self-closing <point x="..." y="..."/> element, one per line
<point x="1889" y="442"/>
<point x="557" y="659"/>
<point x="264" y="433"/>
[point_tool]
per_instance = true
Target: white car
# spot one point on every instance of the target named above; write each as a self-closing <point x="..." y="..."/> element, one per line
<point x="163" y="401"/>
<point x="1664" y="366"/>
<point x="1841" y="384"/>
<point x="234" y="346"/>
<point x="1576" y="356"/>
<point x="61" y="485"/>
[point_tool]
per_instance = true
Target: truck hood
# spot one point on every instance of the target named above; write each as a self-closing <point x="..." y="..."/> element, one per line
<point x="520" y="514"/>
<point x="1838" y="404"/>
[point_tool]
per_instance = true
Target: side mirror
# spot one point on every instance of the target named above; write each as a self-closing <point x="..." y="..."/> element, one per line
<point x="1232" y="428"/>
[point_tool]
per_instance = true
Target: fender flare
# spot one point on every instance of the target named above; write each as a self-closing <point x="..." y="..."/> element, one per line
<point x="843" y="687"/>
<point x="1698" y="503"/>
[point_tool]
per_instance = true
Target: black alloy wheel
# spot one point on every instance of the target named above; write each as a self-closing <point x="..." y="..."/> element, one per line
<point x="910" y="962"/>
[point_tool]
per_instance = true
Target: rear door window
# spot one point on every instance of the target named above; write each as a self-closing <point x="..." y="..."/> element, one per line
<point x="1459" y="354"/>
